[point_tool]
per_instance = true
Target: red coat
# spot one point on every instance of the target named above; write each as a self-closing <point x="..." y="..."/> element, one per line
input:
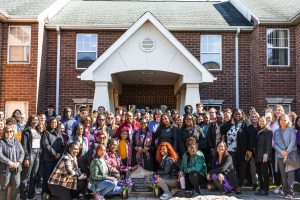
<point x="126" y="126"/>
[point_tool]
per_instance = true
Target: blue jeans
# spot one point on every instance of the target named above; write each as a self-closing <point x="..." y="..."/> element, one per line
<point x="107" y="187"/>
<point x="28" y="175"/>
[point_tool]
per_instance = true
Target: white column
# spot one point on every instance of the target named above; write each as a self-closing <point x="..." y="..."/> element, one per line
<point x="111" y="99"/>
<point x="192" y="94"/>
<point x="101" y="96"/>
<point x="182" y="100"/>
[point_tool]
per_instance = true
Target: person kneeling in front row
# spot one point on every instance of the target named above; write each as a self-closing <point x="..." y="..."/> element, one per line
<point x="166" y="174"/>
<point x="101" y="183"/>
<point x="222" y="176"/>
<point x="193" y="167"/>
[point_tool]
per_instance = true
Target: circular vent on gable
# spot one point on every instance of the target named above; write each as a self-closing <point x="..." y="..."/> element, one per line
<point x="147" y="44"/>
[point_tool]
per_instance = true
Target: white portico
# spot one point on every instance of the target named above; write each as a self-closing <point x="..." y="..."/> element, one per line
<point x="147" y="53"/>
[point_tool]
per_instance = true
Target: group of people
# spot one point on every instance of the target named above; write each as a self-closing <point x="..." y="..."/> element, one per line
<point x="89" y="154"/>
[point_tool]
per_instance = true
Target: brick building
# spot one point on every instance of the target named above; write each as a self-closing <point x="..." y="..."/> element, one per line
<point x="137" y="53"/>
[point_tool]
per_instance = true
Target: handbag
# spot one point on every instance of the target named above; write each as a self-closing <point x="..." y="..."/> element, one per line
<point x="294" y="159"/>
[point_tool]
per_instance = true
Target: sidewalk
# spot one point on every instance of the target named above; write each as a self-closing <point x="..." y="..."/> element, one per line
<point x="247" y="194"/>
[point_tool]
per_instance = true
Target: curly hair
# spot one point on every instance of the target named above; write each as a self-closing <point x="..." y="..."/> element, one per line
<point x="191" y="141"/>
<point x="171" y="152"/>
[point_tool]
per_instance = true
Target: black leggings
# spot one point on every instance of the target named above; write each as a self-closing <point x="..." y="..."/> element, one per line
<point x="59" y="192"/>
<point x="195" y="180"/>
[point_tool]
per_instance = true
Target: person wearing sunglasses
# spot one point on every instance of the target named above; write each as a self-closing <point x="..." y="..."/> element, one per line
<point x="101" y="126"/>
<point x="111" y="126"/>
<point x="11" y="157"/>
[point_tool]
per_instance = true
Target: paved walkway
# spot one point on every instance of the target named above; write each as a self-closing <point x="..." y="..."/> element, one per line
<point x="208" y="195"/>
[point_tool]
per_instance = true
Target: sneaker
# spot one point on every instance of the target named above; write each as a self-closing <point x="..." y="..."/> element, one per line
<point x="288" y="196"/>
<point x="277" y="190"/>
<point x="165" y="196"/>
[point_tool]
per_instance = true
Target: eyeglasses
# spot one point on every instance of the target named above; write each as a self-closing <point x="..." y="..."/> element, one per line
<point x="9" y="131"/>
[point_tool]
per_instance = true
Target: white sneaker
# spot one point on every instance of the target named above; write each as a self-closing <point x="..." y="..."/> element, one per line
<point x="165" y="196"/>
<point x="277" y="190"/>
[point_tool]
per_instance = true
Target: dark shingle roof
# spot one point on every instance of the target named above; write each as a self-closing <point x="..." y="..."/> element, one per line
<point x="170" y="13"/>
<point x="25" y="7"/>
<point x="281" y="10"/>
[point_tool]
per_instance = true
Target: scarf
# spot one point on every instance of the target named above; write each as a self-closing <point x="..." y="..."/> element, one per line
<point x="12" y="147"/>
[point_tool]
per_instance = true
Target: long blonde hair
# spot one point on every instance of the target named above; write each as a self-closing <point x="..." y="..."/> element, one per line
<point x="274" y="115"/>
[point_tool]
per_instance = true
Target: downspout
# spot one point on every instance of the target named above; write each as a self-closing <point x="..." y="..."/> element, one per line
<point x="57" y="69"/>
<point x="237" y="92"/>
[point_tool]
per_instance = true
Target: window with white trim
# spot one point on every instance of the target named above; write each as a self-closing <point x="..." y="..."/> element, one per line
<point x="86" y="50"/>
<point x="209" y="106"/>
<point x="278" y="47"/>
<point x="286" y="107"/>
<point x="78" y="106"/>
<point x="211" y="52"/>
<point x="19" y="41"/>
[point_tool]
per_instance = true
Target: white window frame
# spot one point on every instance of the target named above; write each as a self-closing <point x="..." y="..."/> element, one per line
<point x="272" y="105"/>
<point x="271" y="102"/>
<point x="8" y="48"/>
<point x="221" y="49"/>
<point x="208" y="106"/>
<point x="88" y="103"/>
<point x="212" y="103"/>
<point x="289" y="59"/>
<point x="86" y="51"/>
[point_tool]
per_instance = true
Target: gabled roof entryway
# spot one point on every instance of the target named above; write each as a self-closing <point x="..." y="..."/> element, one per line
<point x="146" y="46"/>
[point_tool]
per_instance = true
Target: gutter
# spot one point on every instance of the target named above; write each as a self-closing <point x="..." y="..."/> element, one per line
<point x="237" y="95"/>
<point x="170" y="28"/>
<point x="57" y="69"/>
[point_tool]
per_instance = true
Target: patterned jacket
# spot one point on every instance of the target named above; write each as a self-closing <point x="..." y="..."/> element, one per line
<point x="65" y="173"/>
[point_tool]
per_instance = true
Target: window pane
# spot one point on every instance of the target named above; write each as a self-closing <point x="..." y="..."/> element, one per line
<point x="19" y="54"/>
<point x="211" y="61"/>
<point x="18" y="38"/>
<point x="278" y="38"/>
<point x="203" y="43"/>
<point x="85" y="59"/>
<point x="277" y="56"/>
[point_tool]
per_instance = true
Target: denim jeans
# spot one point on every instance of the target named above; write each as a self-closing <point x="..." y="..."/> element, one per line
<point x="28" y="175"/>
<point x="11" y="178"/>
<point x="107" y="187"/>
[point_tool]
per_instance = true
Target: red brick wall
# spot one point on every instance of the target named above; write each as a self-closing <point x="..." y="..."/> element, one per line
<point x="70" y="86"/>
<point x="224" y="87"/>
<point x="256" y="80"/>
<point x="18" y="81"/>
<point x="42" y="87"/>
<point x="271" y="82"/>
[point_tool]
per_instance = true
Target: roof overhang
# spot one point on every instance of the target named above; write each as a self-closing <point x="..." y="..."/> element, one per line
<point x="48" y="13"/>
<point x="170" y="28"/>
